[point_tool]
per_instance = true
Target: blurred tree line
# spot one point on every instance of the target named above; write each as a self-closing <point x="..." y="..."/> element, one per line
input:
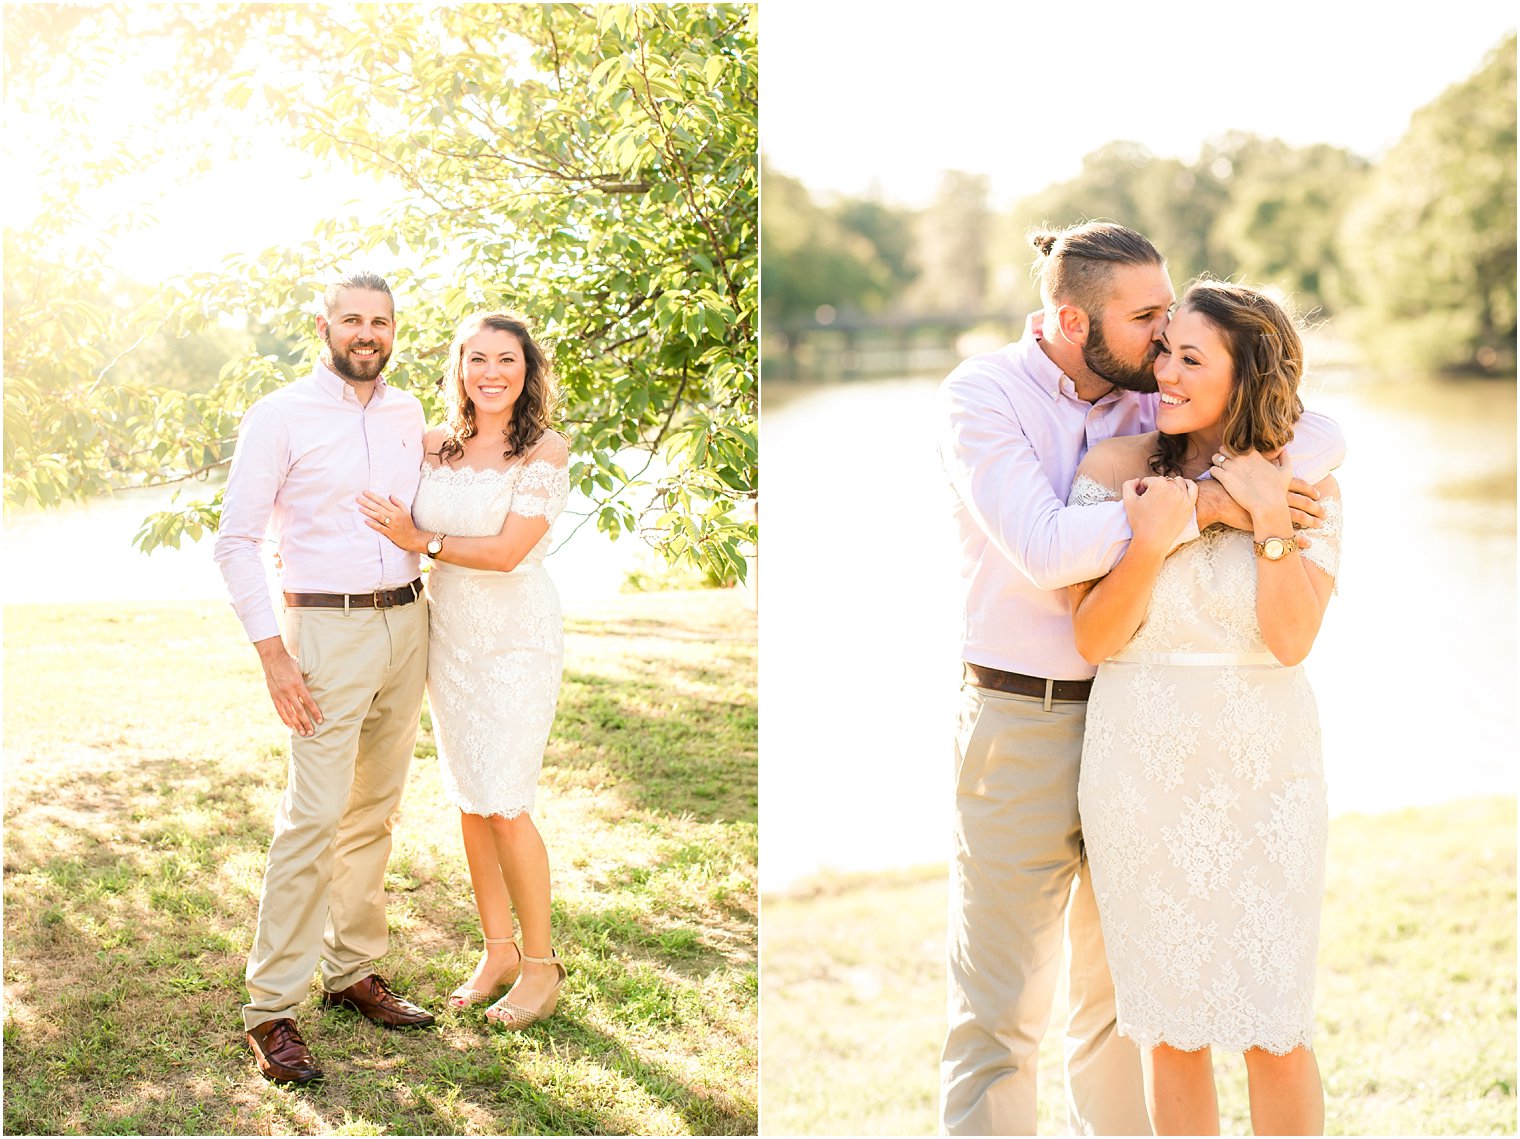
<point x="594" y="167"/>
<point x="1414" y="256"/>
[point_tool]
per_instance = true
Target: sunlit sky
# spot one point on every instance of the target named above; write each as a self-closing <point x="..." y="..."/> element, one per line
<point x="856" y="98"/>
<point x="262" y="194"/>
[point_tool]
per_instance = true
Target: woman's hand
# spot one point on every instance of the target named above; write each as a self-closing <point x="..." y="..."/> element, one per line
<point x="393" y="518"/>
<point x="1258" y="483"/>
<point x="1158" y="508"/>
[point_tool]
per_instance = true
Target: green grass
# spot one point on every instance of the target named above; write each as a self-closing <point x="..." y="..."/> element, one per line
<point x="142" y="767"/>
<point x="1415" y="998"/>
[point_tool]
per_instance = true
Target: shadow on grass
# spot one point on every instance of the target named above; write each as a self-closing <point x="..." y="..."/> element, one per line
<point x="684" y="755"/>
<point x="124" y="982"/>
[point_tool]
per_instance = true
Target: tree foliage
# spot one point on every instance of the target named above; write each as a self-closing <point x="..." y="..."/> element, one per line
<point x="592" y="167"/>
<point x="1432" y="241"/>
<point x="852" y="255"/>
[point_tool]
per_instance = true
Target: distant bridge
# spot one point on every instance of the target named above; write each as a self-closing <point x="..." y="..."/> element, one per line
<point x="851" y="346"/>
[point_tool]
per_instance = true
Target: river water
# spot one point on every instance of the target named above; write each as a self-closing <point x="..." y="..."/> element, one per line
<point x="84" y="552"/>
<point x="1414" y="669"/>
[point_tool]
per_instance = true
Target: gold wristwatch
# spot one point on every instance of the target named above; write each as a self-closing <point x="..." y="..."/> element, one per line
<point x="1275" y="549"/>
<point x="435" y="547"/>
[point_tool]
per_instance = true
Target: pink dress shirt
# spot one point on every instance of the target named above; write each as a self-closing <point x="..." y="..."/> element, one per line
<point x="304" y="454"/>
<point x="1011" y="433"/>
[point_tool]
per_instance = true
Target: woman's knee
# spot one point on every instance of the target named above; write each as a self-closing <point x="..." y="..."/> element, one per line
<point x="1168" y="1061"/>
<point x="508" y="826"/>
<point x="1280" y="1065"/>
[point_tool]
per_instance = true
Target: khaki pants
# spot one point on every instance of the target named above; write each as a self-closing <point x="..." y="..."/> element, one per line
<point x="1018" y="852"/>
<point x="324" y="883"/>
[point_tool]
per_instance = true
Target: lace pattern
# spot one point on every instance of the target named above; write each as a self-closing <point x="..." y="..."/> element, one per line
<point x="496" y="641"/>
<point x="1203" y="810"/>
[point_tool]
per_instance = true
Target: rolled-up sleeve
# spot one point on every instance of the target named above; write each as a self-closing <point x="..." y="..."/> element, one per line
<point x="1318" y="447"/>
<point x="996" y="471"/>
<point x="259" y="465"/>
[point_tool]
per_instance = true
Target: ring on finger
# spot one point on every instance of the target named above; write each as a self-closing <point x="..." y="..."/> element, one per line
<point x="1219" y="458"/>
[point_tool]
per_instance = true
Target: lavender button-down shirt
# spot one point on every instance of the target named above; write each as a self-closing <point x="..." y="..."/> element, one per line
<point x="304" y="454"/>
<point x="1011" y="433"/>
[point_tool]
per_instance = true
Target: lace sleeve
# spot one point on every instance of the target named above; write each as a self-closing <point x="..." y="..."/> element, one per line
<point x="544" y="484"/>
<point x="1086" y="491"/>
<point x="1325" y="551"/>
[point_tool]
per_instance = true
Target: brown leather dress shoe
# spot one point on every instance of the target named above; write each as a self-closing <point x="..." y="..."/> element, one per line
<point x="373" y="997"/>
<point x="281" y="1054"/>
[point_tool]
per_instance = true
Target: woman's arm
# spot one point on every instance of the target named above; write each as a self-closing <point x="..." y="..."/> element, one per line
<point x="534" y="507"/>
<point x="1292" y="593"/>
<point x="1106" y="613"/>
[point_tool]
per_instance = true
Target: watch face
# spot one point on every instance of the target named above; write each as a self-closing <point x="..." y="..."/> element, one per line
<point x="1276" y="548"/>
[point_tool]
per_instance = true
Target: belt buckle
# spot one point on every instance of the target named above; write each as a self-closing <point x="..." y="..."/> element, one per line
<point x="375" y="599"/>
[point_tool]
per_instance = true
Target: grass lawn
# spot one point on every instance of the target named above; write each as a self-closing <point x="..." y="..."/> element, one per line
<point x="1415" y="999"/>
<point x="143" y="763"/>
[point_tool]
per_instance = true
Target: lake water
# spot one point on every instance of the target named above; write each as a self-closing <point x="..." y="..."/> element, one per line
<point x="84" y="552"/>
<point x="1414" y="668"/>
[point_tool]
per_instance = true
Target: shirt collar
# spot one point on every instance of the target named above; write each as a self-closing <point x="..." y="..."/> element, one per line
<point x="1046" y="372"/>
<point x="335" y="386"/>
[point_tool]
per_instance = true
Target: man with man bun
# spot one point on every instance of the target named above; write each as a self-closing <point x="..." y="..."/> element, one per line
<point x="1012" y="427"/>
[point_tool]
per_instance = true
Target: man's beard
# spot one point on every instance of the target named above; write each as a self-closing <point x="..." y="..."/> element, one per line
<point x="1102" y="362"/>
<point x="357" y="371"/>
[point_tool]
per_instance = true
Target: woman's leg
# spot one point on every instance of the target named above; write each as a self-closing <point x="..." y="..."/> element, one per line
<point x="1179" y="1091"/>
<point x="492" y="899"/>
<point x="525" y="866"/>
<point x="1286" y="1095"/>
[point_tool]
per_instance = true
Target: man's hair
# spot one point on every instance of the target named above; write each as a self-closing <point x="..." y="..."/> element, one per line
<point x="358" y="279"/>
<point x="1076" y="264"/>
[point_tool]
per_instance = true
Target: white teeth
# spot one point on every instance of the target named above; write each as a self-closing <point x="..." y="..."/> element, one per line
<point x="1172" y="400"/>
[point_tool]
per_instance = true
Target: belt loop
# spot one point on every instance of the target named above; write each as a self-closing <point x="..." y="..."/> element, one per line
<point x="1050" y="692"/>
<point x="345" y="605"/>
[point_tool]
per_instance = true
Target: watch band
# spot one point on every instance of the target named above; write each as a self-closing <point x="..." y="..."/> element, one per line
<point x="1275" y="549"/>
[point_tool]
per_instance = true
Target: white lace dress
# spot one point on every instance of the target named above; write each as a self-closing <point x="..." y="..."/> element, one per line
<point x="496" y="640"/>
<point x="1202" y="800"/>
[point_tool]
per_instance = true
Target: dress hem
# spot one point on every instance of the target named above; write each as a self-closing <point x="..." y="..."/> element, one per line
<point x="1151" y="1040"/>
<point x="505" y="813"/>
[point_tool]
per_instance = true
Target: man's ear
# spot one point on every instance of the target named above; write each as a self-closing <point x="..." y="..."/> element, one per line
<point x="1073" y="323"/>
<point x="322" y="326"/>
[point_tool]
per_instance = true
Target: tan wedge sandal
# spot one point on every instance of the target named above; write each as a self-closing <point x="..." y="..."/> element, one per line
<point x="464" y="997"/>
<point x="513" y="1016"/>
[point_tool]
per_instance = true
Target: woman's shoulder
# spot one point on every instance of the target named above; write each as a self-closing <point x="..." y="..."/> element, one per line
<point x="550" y="447"/>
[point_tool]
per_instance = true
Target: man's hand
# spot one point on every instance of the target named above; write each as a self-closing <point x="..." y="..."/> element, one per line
<point x="1216" y="505"/>
<point x="294" y="703"/>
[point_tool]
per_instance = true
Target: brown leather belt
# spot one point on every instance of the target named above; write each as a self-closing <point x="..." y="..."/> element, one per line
<point x="1021" y="685"/>
<point x="376" y="599"/>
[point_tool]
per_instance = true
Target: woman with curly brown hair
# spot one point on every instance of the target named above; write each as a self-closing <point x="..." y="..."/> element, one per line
<point x="1201" y="789"/>
<point x="494" y="478"/>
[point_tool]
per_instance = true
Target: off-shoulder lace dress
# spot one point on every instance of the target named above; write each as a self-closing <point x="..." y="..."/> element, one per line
<point x="496" y="640"/>
<point x="1202" y="800"/>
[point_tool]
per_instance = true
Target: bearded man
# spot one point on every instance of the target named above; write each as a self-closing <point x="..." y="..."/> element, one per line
<point x="1013" y="425"/>
<point x="346" y="678"/>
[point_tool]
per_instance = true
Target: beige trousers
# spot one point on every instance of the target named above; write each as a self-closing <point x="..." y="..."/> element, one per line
<point x="1018" y="853"/>
<point x="324" y="890"/>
